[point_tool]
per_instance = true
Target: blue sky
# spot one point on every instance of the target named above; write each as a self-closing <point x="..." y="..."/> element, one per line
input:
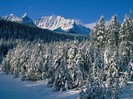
<point x="87" y="11"/>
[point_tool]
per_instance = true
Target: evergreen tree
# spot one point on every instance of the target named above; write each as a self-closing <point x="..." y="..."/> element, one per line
<point x="99" y="31"/>
<point x="80" y="68"/>
<point x="112" y="34"/>
<point x="95" y="88"/>
<point x="130" y="71"/>
<point x="126" y="38"/>
<point x="112" y="78"/>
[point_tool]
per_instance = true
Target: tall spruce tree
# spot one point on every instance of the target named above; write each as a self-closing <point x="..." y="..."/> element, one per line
<point x="112" y="34"/>
<point x="126" y="39"/>
<point x="112" y="79"/>
<point x="95" y="88"/>
<point x="99" y="31"/>
<point x="130" y="69"/>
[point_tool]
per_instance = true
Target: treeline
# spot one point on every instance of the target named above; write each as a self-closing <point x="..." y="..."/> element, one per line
<point x="14" y="30"/>
<point x="11" y="33"/>
<point x="99" y="67"/>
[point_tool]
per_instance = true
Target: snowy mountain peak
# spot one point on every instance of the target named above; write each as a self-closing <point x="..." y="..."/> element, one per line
<point x="25" y="15"/>
<point x="11" y="17"/>
<point x="60" y="24"/>
<point x="54" y="23"/>
<point x="11" y="14"/>
<point x="27" y="20"/>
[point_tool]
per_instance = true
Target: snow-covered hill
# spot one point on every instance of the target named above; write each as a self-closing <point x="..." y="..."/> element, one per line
<point x="60" y="24"/>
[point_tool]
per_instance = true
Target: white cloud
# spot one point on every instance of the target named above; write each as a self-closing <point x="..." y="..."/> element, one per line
<point x="78" y="21"/>
<point x="93" y="24"/>
<point x="89" y="25"/>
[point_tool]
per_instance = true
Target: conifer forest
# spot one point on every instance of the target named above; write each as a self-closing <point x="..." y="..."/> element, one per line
<point x="99" y="65"/>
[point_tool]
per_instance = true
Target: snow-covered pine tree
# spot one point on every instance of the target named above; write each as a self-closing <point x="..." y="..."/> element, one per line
<point x="5" y="66"/>
<point x="112" y="77"/>
<point x="52" y="57"/>
<point x="95" y="88"/>
<point x="126" y="39"/>
<point x="72" y="52"/>
<point x="130" y="70"/>
<point x="62" y="78"/>
<point x="112" y="32"/>
<point x="90" y="62"/>
<point x="47" y="69"/>
<point x="99" y="30"/>
<point x="35" y="63"/>
<point x="107" y="56"/>
<point x="79" y="68"/>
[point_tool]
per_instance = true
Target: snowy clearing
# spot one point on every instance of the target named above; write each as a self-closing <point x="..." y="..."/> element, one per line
<point x="127" y="92"/>
<point x="12" y="88"/>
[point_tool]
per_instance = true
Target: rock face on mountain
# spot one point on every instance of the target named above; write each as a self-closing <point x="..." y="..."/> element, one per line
<point x="11" y="17"/>
<point x="54" y="23"/>
<point x="60" y="24"/>
<point x="25" y="19"/>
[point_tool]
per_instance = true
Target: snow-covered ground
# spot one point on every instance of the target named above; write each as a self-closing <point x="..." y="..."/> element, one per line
<point x="12" y="88"/>
<point x="127" y="93"/>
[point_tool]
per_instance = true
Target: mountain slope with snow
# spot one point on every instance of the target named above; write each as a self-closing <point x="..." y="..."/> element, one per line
<point x="60" y="24"/>
<point x="11" y="17"/>
<point x="54" y="23"/>
<point x="25" y="19"/>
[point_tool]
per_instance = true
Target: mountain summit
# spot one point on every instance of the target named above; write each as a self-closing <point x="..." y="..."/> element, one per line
<point x="11" y="17"/>
<point x="60" y="24"/>
<point x="27" y="20"/>
<point x="54" y="23"/>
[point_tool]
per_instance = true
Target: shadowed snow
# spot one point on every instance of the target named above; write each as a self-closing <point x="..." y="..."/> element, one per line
<point x="11" y="88"/>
